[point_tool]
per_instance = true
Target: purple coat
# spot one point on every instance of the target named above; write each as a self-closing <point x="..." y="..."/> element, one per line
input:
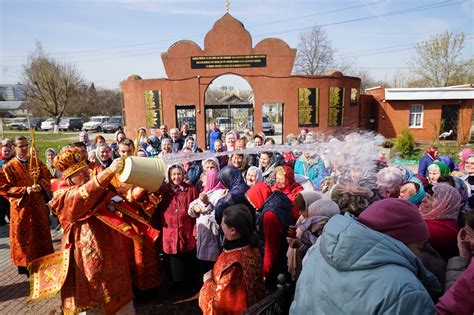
<point x="459" y="298"/>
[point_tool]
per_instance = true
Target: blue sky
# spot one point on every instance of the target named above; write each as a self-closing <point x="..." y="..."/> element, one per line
<point x="108" y="40"/>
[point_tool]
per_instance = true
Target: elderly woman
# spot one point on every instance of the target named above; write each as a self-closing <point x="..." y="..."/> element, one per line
<point x="206" y="226"/>
<point x="435" y="170"/>
<point x="230" y="139"/>
<point x="440" y="212"/>
<point x="210" y="163"/>
<point x="103" y="158"/>
<point x="308" y="231"/>
<point x="413" y="192"/>
<point x="254" y="175"/>
<point x="389" y="180"/>
<point x="267" y="164"/>
<point x="190" y="143"/>
<point x="285" y="182"/>
<point x="273" y="210"/>
<point x="171" y="217"/>
<point x="166" y="146"/>
<point x="373" y="259"/>
<point x="463" y="156"/>
<point x="50" y="154"/>
<point x="351" y="197"/>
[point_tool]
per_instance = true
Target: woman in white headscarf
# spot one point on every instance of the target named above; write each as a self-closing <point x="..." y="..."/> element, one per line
<point x="253" y="175"/>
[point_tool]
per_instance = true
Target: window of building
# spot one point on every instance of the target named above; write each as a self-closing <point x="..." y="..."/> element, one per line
<point x="336" y="107"/>
<point x="153" y="109"/>
<point x="308" y="107"/>
<point x="416" y="116"/>
<point x="354" y="97"/>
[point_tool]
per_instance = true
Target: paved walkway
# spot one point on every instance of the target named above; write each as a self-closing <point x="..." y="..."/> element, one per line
<point x="14" y="289"/>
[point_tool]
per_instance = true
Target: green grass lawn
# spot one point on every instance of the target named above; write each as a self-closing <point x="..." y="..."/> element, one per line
<point x="45" y="140"/>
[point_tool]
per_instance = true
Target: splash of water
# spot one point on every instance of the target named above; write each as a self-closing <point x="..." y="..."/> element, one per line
<point x="355" y="150"/>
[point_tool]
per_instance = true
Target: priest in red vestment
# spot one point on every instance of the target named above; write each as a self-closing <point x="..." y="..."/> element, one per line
<point x="30" y="237"/>
<point x="146" y="268"/>
<point x="98" y="277"/>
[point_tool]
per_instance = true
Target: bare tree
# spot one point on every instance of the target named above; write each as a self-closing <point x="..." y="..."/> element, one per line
<point x="438" y="62"/>
<point x="51" y="86"/>
<point x="315" y="53"/>
<point x="350" y="67"/>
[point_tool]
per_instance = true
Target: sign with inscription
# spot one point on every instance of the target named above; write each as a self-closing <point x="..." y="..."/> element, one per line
<point x="308" y="107"/>
<point x="153" y="109"/>
<point x="239" y="61"/>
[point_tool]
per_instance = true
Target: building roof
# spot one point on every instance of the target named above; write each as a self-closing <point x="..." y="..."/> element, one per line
<point x="231" y="99"/>
<point x="11" y="105"/>
<point x="444" y="93"/>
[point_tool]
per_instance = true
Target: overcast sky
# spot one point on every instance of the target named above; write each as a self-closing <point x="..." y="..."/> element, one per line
<point x="108" y="40"/>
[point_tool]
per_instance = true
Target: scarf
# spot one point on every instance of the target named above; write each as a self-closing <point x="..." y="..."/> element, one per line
<point x="446" y="203"/>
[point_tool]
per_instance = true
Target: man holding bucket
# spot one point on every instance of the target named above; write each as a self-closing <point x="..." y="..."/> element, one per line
<point x="91" y="270"/>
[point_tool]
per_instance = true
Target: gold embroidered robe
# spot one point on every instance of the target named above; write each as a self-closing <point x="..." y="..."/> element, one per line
<point x="236" y="282"/>
<point x="30" y="237"/>
<point x="98" y="276"/>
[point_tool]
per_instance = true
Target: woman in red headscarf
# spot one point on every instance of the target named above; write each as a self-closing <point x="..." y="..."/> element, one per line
<point x="273" y="217"/>
<point x="285" y="182"/>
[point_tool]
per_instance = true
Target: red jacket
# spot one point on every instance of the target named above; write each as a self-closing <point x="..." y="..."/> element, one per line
<point x="273" y="230"/>
<point x="443" y="236"/>
<point x="172" y="218"/>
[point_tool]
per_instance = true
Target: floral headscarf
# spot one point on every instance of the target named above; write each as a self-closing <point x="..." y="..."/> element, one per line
<point x="446" y="203"/>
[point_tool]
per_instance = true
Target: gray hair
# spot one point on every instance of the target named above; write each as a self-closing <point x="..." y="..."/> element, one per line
<point x="389" y="177"/>
<point x="324" y="207"/>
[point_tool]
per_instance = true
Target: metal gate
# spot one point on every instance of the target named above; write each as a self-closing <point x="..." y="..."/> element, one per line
<point x="228" y="117"/>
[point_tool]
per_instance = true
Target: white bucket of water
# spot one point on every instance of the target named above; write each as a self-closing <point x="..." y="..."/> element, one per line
<point x="144" y="172"/>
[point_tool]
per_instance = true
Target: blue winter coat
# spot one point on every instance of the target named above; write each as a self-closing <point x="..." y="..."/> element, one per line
<point x="357" y="270"/>
<point x="314" y="171"/>
<point x="425" y="161"/>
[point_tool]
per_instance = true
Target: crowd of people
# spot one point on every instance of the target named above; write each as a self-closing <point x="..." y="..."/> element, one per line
<point x="346" y="231"/>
